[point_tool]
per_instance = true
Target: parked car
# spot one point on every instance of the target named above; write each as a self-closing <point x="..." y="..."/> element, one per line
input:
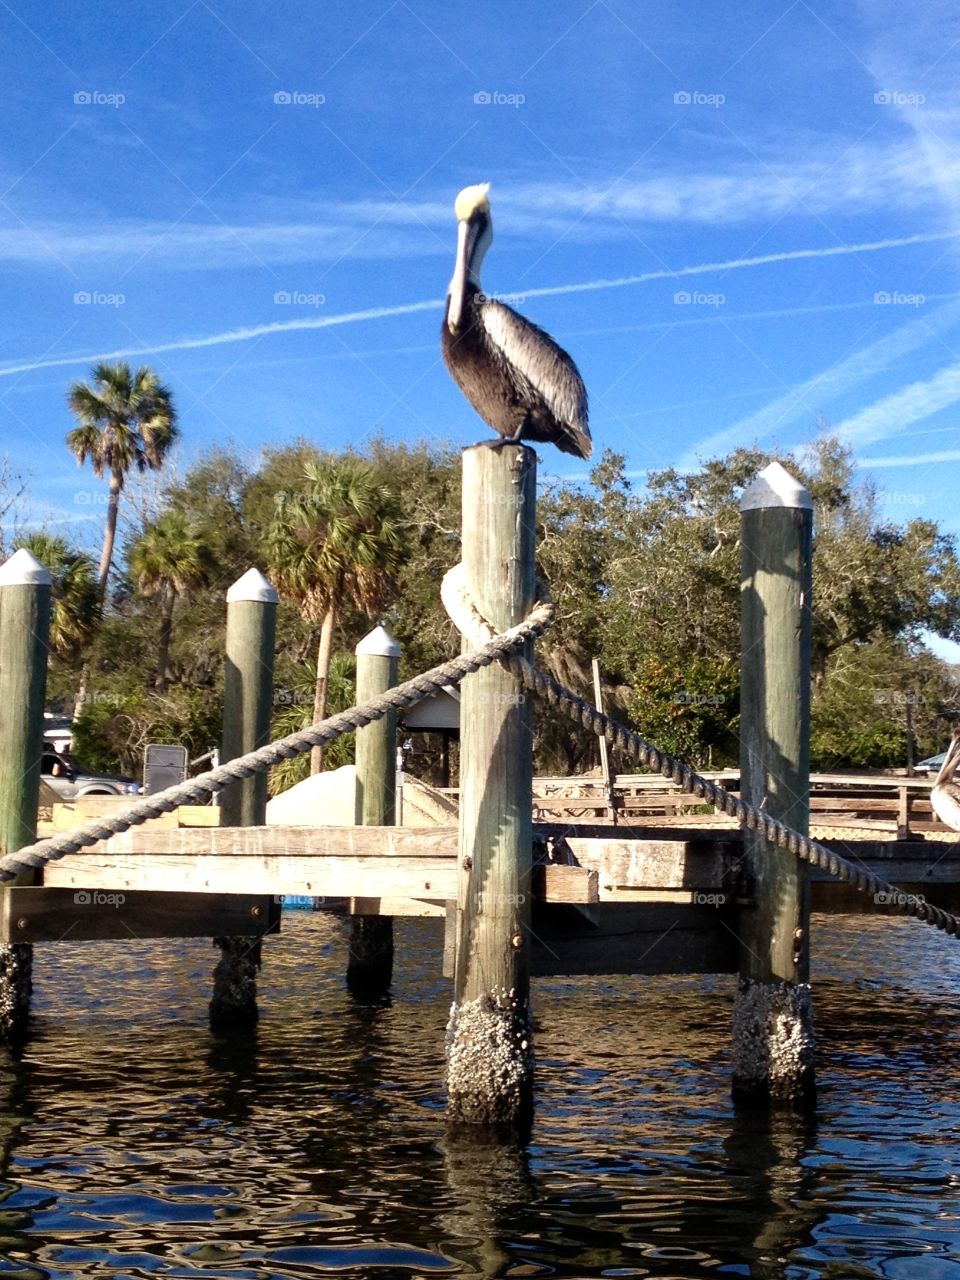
<point x="69" y="779"/>
<point x="931" y="764"/>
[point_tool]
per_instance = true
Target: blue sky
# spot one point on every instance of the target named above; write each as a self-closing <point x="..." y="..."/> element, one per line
<point x="186" y="166"/>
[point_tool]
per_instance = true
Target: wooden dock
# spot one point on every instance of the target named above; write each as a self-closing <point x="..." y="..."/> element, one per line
<point x="625" y="875"/>
<point x="605" y="900"/>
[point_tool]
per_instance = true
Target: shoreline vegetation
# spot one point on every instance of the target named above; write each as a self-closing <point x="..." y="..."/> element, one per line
<point x="646" y="580"/>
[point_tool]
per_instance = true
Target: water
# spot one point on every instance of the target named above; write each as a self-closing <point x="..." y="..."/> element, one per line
<point x="137" y="1145"/>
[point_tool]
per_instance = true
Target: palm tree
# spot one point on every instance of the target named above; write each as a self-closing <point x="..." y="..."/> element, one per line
<point x="73" y="618"/>
<point x="291" y="701"/>
<point x="126" y="420"/>
<point x="335" y="543"/>
<point x="168" y="561"/>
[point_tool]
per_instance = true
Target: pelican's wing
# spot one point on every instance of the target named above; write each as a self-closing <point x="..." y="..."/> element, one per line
<point x="545" y="365"/>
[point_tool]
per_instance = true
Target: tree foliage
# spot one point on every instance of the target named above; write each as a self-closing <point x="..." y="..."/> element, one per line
<point x="646" y="577"/>
<point x="126" y="420"/>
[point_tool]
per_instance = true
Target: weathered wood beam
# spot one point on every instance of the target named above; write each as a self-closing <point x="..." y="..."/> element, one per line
<point x="35" y="914"/>
<point x="291" y="875"/>
<point x="267" y="842"/>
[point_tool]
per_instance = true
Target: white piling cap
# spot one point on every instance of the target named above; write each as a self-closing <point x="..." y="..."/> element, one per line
<point x="252" y="586"/>
<point x="24" y="569"/>
<point x="775" y="487"/>
<point x="378" y="643"/>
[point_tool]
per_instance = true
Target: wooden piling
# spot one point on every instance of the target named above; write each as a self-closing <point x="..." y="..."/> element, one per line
<point x="247" y="705"/>
<point x="24" y="629"/>
<point x="773" y="1021"/>
<point x="248" y="691"/>
<point x="370" y="966"/>
<point x="489" y="1041"/>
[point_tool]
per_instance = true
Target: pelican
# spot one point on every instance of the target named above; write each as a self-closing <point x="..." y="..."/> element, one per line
<point x="515" y="376"/>
<point x="945" y="795"/>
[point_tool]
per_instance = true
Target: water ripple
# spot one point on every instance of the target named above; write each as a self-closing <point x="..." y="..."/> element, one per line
<point x="135" y="1144"/>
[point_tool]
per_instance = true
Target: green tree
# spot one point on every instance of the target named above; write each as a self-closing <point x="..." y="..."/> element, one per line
<point x="126" y="419"/>
<point x="168" y="560"/>
<point x="335" y="542"/>
<point x="74" y="615"/>
<point x="293" y="709"/>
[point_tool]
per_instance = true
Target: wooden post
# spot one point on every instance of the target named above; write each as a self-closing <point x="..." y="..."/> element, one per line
<point x="370" y="967"/>
<point x="611" y="814"/>
<point x="489" y="1042"/>
<point x="248" y="691"/>
<point x="773" y="1060"/>
<point x="24" y="629"/>
<point x="247" y="704"/>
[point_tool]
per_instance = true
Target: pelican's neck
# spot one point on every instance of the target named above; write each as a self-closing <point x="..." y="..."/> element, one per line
<point x="473" y="240"/>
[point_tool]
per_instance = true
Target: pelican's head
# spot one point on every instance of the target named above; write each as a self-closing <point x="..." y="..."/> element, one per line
<point x="472" y="201"/>
<point x="474" y="237"/>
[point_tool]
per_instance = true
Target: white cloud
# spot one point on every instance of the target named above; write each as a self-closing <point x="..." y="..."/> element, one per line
<point x="888" y="415"/>
<point x="813" y="395"/>
<point x="833" y="178"/>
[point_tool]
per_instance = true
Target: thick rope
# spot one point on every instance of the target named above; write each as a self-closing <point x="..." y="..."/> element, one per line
<point x="327" y="731"/>
<point x="776" y="832"/>
<point x="475" y="628"/>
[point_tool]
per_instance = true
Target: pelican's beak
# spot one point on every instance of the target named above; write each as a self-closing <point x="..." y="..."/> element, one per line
<point x="466" y="244"/>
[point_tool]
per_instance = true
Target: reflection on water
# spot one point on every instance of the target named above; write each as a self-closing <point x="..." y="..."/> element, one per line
<point x="136" y="1144"/>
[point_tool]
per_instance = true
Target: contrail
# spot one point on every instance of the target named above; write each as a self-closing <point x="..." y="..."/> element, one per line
<point x="435" y="304"/>
<point x="912" y="459"/>
<point x="737" y="264"/>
